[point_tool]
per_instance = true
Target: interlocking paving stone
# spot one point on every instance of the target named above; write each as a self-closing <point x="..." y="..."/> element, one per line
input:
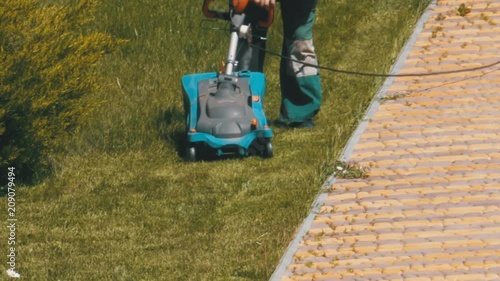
<point x="430" y="208"/>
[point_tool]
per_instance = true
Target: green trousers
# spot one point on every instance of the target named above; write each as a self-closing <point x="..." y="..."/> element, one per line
<point x="301" y="94"/>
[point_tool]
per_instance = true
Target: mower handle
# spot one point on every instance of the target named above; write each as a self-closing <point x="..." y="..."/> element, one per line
<point x="239" y="7"/>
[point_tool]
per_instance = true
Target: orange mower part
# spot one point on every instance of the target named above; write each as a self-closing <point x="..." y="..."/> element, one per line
<point x="206" y="11"/>
<point x="240" y="5"/>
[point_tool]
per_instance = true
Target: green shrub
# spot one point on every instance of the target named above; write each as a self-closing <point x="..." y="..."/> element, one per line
<point x="48" y="59"/>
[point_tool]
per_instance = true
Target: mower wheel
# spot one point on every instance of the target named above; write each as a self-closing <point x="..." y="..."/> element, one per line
<point x="191" y="153"/>
<point x="268" y="150"/>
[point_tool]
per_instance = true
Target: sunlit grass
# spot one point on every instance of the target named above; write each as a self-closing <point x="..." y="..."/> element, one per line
<point x="123" y="205"/>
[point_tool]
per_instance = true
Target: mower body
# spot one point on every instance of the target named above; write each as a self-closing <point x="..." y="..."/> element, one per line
<point x="225" y="113"/>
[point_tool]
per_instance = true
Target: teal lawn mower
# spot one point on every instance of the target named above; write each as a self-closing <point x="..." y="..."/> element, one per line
<point x="224" y="110"/>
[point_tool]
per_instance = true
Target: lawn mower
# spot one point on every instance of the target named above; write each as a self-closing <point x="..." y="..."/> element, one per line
<point x="224" y="110"/>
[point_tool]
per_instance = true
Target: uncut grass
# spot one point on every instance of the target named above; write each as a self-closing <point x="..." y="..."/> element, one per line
<point x="123" y="205"/>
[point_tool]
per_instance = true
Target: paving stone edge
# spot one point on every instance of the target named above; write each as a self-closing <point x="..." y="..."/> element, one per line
<point x="287" y="257"/>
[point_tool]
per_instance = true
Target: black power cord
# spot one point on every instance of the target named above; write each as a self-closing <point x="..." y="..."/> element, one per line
<point x="377" y="74"/>
<point x="358" y="73"/>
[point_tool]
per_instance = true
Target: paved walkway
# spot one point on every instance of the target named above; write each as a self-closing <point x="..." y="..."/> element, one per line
<point x="430" y="209"/>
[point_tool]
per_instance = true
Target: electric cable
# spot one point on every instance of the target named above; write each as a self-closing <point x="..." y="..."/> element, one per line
<point x="360" y="73"/>
<point x="377" y="74"/>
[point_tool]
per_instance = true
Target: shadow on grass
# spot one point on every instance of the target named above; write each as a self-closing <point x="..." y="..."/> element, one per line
<point x="27" y="173"/>
<point x="171" y="128"/>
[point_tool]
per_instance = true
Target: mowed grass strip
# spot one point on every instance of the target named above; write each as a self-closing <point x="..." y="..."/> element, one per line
<point x="123" y="204"/>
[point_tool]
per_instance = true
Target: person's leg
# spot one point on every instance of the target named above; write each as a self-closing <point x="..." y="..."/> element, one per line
<point x="300" y="84"/>
<point x="249" y="57"/>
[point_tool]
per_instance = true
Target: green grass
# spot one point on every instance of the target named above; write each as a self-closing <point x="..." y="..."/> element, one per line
<point x="123" y="205"/>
